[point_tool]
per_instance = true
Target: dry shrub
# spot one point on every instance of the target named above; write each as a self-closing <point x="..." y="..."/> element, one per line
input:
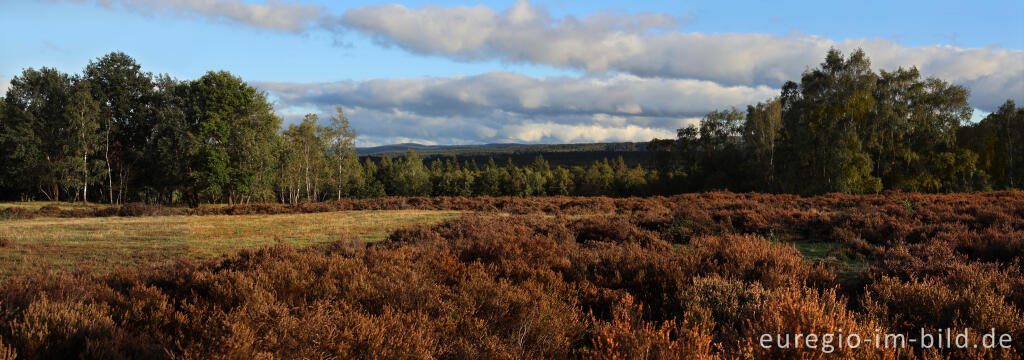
<point x="628" y="336"/>
<point x="690" y="276"/>
<point x="728" y="304"/>
<point x="616" y="229"/>
<point x="754" y="259"/>
<point x="49" y="210"/>
<point x="6" y="352"/>
<point x="15" y="213"/>
<point x="689" y="222"/>
<point x="807" y="311"/>
<point x="929" y="304"/>
<point x="48" y="329"/>
<point x="142" y="209"/>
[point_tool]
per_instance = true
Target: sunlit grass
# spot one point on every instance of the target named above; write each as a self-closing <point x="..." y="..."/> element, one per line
<point x="36" y="205"/>
<point x="103" y="243"/>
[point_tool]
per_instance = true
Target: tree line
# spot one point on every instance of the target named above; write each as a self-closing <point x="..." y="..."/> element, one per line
<point x="116" y="134"/>
<point x="845" y="128"/>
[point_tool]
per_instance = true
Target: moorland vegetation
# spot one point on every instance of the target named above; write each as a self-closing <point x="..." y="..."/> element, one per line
<point x="685" y="277"/>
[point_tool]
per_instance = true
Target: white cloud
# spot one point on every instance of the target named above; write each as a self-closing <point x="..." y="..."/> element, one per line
<point x="273" y="15"/>
<point x="506" y="107"/>
<point x="619" y="95"/>
<point x="569" y="133"/>
<point x="643" y="45"/>
<point x="389" y="127"/>
<point x="4" y="85"/>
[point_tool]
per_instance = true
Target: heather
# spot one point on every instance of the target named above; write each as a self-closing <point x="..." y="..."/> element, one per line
<point x="690" y="276"/>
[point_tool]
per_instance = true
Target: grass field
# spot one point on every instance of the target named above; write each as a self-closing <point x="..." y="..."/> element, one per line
<point x="35" y="205"/>
<point x="103" y="243"/>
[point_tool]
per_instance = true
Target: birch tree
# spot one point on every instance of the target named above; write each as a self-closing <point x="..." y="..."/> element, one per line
<point x="341" y="141"/>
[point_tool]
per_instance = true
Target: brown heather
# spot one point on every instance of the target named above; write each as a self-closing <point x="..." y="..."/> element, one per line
<point x="697" y="276"/>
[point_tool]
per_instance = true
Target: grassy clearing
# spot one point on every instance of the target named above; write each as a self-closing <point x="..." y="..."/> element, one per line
<point x="36" y="205"/>
<point x="814" y="250"/>
<point x="844" y="267"/>
<point x="103" y="243"/>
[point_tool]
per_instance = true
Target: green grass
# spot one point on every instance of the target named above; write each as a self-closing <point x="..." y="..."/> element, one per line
<point x="844" y="267"/>
<point x="103" y="243"/>
<point x="813" y="250"/>
<point x="36" y="205"/>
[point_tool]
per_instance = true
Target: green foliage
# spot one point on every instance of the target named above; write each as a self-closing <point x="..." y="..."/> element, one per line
<point x="118" y="134"/>
<point x="844" y="128"/>
<point x="411" y="177"/>
<point x="341" y="146"/>
<point x="761" y="132"/>
<point x="998" y="141"/>
<point x="123" y="92"/>
<point x="233" y="125"/>
<point x="36" y="140"/>
<point x="84" y="138"/>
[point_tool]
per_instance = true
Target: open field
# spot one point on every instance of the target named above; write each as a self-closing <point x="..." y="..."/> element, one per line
<point x="696" y="276"/>
<point x="37" y="244"/>
<point x="36" y="205"/>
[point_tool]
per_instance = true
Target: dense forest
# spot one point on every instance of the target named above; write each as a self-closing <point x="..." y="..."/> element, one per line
<point x="117" y="134"/>
<point x="565" y="155"/>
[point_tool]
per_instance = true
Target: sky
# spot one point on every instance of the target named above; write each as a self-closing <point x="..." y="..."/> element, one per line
<point x="454" y="72"/>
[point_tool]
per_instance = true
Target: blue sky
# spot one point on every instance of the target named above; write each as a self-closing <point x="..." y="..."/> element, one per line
<point x="461" y="82"/>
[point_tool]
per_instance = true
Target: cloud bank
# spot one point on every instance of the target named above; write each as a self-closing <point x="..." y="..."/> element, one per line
<point x="641" y="73"/>
<point x="502" y="106"/>
<point x="272" y="15"/>
<point x="648" y="46"/>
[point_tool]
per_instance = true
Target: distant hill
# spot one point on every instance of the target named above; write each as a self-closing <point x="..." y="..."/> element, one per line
<point x="520" y="154"/>
<point x="401" y="148"/>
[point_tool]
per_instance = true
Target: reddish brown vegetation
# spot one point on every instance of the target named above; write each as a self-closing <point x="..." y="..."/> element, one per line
<point x="513" y="205"/>
<point x="693" y="276"/>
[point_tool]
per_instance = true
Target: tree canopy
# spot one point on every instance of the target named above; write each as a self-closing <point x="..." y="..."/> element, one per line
<point x="116" y="134"/>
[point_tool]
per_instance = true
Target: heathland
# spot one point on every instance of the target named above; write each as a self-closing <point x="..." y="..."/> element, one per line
<point x="688" y="276"/>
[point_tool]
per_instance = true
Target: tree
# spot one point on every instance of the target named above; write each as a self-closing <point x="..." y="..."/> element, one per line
<point x="169" y="157"/>
<point x="308" y="141"/>
<point x="449" y="179"/>
<point x="251" y="156"/>
<point x="342" y="145"/>
<point x="232" y="125"/>
<point x="373" y="188"/>
<point x="912" y="135"/>
<point x="488" y="183"/>
<point x="719" y="149"/>
<point x="35" y="139"/>
<point x="119" y="85"/>
<point x="687" y="158"/>
<point x="821" y="119"/>
<point x="412" y="178"/>
<point x="997" y="141"/>
<point x="559" y="182"/>
<point x="597" y="179"/>
<point x="5" y="163"/>
<point x="760" y="134"/>
<point x="1010" y="121"/>
<point x="387" y="175"/>
<point x="84" y="139"/>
